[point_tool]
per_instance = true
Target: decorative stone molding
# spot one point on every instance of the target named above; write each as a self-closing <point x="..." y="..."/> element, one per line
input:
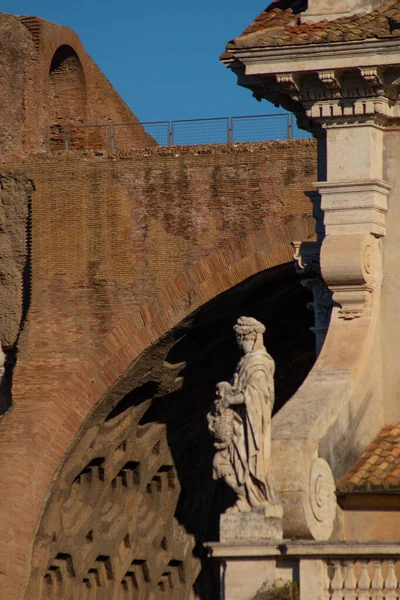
<point x="120" y="485"/>
<point x="322" y="497"/>
<point x="331" y="79"/>
<point x="306" y="256"/>
<point x="351" y="266"/>
<point x="373" y="75"/>
<point x="369" y="91"/>
<point x="307" y="494"/>
<point x="325" y="571"/>
<point x="290" y="82"/>
<point x="355" y="206"/>
<point x="319" y="502"/>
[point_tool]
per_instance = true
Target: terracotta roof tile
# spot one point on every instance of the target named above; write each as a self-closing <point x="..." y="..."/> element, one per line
<point x="379" y="466"/>
<point x="280" y="25"/>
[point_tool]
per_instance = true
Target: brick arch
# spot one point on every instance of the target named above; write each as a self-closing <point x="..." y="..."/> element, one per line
<point x="62" y="419"/>
<point x="64" y="36"/>
<point x="67" y="95"/>
<point x="205" y="280"/>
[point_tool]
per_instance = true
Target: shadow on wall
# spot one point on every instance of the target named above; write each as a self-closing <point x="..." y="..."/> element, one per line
<point x="15" y="200"/>
<point x="135" y="498"/>
<point x="66" y="97"/>
<point x="206" y="352"/>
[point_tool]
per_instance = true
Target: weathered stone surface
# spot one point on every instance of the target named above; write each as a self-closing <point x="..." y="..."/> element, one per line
<point x="123" y="248"/>
<point x="350" y="99"/>
<point x="49" y="82"/>
<point x="252" y="526"/>
<point x="115" y="268"/>
<point x="318" y="10"/>
<point x="240" y="422"/>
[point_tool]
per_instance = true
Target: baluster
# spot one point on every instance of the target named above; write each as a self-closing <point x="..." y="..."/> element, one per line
<point x="364" y="582"/>
<point x="337" y="581"/>
<point x="377" y="580"/>
<point x="350" y="581"/>
<point x="391" y="582"/>
<point x="326" y="583"/>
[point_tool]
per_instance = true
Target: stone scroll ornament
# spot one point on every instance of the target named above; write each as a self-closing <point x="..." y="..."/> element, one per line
<point x="240" y="423"/>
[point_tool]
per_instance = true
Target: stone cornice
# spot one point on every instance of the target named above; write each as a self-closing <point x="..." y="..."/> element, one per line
<point x="311" y="57"/>
<point x="335" y="96"/>
<point x="306" y="548"/>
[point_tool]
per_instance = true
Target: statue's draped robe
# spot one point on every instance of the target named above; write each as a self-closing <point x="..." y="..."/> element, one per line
<point x="250" y="448"/>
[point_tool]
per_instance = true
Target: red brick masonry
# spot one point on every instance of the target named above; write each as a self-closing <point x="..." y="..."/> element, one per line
<point x="124" y="246"/>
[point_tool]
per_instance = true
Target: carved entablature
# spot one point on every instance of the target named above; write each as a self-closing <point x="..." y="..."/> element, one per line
<point x="369" y="91"/>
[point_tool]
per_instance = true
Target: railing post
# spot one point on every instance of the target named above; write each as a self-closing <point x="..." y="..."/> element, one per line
<point x="66" y="138"/>
<point x="170" y="133"/>
<point x="290" y="127"/>
<point x="230" y="127"/>
<point x="313" y="579"/>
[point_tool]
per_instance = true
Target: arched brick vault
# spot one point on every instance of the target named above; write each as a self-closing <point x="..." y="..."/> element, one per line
<point x="33" y="42"/>
<point x="46" y="421"/>
<point x="64" y="36"/>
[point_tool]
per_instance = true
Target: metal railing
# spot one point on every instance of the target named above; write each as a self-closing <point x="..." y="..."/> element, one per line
<point x="219" y="130"/>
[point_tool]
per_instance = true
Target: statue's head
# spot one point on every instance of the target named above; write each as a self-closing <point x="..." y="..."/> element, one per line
<point x="249" y="334"/>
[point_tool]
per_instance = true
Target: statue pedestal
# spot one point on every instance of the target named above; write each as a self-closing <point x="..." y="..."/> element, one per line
<point x="264" y="523"/>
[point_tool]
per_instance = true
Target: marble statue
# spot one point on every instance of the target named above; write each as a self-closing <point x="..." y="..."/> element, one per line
<point x="240" y="422"/>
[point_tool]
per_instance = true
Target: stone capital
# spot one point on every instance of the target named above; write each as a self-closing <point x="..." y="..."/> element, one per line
<point x="355" y="206"/>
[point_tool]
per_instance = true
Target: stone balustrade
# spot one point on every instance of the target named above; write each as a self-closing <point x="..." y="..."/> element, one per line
<point x="323" y="570"/>
<point x="367" y="579"/>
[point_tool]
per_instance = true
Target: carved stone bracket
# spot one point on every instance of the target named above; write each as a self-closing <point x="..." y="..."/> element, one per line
<point x="373" y="75"/>
<point x="290" y="82"/>
<point x="332" y="80"/>
<point x="306" y="256"/>
<point x="351" y="266"/>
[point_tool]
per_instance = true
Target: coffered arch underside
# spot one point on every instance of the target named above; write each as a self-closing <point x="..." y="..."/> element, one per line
<point x="134" y="499"/>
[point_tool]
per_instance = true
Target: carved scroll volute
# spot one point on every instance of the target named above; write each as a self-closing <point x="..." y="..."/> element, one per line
<point x="351" y="267"/>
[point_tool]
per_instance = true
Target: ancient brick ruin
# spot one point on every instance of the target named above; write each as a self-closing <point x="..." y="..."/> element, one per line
<point x="115" y="267"/>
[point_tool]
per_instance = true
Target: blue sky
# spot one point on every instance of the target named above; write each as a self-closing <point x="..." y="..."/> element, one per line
<point x="162" y="57"/>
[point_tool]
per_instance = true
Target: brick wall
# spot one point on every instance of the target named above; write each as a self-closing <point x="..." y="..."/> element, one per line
<point x="124" y="246"/>
<point x="134" y="220"/>
<point x="66" y="95"/>
<point x="44" y="87"/>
